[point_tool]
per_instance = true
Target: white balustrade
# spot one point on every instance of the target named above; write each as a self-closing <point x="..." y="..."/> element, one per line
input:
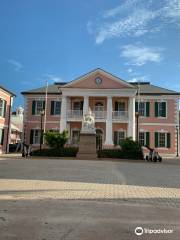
<point x="120" y="115"/>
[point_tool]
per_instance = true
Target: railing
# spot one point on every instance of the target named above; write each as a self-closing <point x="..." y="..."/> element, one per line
<point x="74" y="114"/>
<point x="100" y="114"/>
<point x="116" y="115"/>
<point x="120" y="115"/>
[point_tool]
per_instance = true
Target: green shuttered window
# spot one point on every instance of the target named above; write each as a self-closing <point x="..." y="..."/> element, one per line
<point x="143" y="108"/>
<point x="119" y="136"/>
<point x="35" y="135"/>
<point x="160" y="109"/>
<point x="37" y="107"/>
<point x="147" y="138"/>
<point x="147" y="109"/>
<point x="144" y="138"/>
<point x="168" y="140"/>
<point x="162" y="140"/>
<point x="55" y="107"/>
<point x="156" y="139"/>
<point x="3" y="104"/>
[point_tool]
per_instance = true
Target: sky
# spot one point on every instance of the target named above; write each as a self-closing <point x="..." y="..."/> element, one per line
<point x="60" y="40"/>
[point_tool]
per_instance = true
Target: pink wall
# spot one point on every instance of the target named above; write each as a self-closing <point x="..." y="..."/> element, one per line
<point x="4" y="121"/>
<point x="171" y="113"/>
<point x="168" y="129"/>
<point x="53" y="121"/>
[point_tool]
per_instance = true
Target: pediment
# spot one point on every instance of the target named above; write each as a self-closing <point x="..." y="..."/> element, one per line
<point x="98" y="79"/>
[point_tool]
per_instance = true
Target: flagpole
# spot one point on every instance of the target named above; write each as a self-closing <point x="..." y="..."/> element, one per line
<point x="138" y="93"/>
<point x="45" y="112"/>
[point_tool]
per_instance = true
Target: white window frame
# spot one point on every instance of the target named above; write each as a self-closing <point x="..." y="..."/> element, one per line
<point x="159" y="103"/>
<point x="165" y="143"/>
<point x="144" y="110"/>
<point x="123" y="102"/>
<point x="36" y="138"/>
<point x="77" y="101"/>
<point x="99" y="106"/>
<point x="2" y="108"/>
<point x="144" y="138"/>
<point x="38" y="111"/>
<point x="118" y="137"/>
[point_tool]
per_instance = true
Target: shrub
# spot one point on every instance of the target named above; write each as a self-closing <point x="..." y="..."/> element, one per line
<point x="61" y="152"/>
<point x="56" y="140"/>
<point x="129" y="150"/>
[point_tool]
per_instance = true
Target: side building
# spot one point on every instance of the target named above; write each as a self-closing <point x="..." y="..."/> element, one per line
<point x="17" y="125"/>
<point x="115" y="103"/>
<point x="6" y="101"/>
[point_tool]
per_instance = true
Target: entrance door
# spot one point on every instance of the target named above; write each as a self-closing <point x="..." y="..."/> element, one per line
<point x="99" y="137"/>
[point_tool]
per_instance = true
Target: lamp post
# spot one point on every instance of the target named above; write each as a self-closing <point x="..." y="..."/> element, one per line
<point x="177" y="132"/>
<point x="137" y="125"/>
<point x="41" y="135"/>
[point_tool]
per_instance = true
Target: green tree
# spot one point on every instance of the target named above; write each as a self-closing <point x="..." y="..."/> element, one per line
<point x="56" y="140"/>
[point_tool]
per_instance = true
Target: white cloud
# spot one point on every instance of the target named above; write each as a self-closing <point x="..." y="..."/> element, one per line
<point x="17" y="66"/>
<point x="144" y="78"/>
<point x="139" y="55"/>
<point x="135" y="18"/>
<point x="119" y="9"/>
<point x="130" y="70"/>
<point x="132" y="25"/>
<point x="51" y="77"/>
<point x="172" y="9"/>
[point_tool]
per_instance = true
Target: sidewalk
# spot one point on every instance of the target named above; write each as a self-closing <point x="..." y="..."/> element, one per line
<point x="11" y="155"/>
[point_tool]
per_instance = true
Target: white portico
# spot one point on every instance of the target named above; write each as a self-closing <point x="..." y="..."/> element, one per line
<point x="107" y="114"/>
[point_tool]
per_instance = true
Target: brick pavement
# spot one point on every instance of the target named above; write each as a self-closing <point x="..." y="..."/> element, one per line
<point x="90" y="180"/>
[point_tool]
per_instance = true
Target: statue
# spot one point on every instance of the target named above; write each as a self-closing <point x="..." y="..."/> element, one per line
<point x="87" y="142"/>
<point x="88" y="123"/>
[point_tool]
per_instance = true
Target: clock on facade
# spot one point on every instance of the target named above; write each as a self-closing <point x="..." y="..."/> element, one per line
<point x="98" y="80"/>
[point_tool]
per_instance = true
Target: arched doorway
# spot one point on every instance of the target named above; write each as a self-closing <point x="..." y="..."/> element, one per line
<point x="99" y="139"/>
<point x="99" y="106"/>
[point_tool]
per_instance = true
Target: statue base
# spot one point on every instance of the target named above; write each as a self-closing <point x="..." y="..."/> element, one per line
<point x="87" y="146"/>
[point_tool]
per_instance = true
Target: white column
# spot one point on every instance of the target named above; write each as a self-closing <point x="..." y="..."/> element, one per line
<point x="109" y="140"/>
<point x="63" y="123"/>
<point x="86" y="105"/>
<point x="131" y="116"/>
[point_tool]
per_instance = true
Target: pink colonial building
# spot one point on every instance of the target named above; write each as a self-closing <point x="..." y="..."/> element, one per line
<point x="6" y="100"/>
<point x="114" y="102"/>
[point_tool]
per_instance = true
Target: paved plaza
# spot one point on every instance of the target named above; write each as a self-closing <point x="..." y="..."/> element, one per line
<point x="82" y="199"/>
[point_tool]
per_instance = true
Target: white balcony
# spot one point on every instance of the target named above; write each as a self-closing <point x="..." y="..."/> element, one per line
<point x="74" y="114"/>
<point x="77" y="115"/>
<point x="120" y="115"/>
<point x="100" y="114"/>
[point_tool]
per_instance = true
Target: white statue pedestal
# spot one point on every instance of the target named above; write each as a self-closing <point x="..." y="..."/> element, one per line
<point x="87" y="146"/>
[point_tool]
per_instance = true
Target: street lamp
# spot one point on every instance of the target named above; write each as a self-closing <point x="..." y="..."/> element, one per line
<point x="41" y="134"/>
<point x="137" y="125"/>
<point x="177" y="132"/>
